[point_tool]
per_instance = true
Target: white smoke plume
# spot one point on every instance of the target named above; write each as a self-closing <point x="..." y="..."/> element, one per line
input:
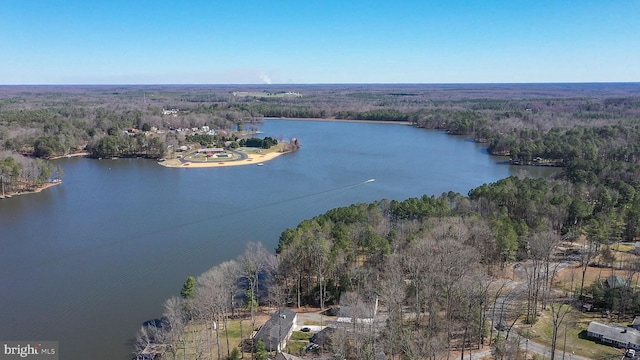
<point x="265" y="78"/>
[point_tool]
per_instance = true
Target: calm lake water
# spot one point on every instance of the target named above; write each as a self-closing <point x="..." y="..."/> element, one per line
<point x="87" y="262"/>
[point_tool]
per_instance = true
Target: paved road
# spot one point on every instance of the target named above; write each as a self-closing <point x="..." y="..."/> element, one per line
<point x="531" y="347"/>
<point x="546" y="351"/>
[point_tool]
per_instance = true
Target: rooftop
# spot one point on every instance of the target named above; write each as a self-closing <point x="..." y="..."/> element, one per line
<point x="618" y="333"/>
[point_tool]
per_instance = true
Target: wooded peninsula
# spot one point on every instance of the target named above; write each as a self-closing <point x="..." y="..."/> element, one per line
<point x="517" y="260"/>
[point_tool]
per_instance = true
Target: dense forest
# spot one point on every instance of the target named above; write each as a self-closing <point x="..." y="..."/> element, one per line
<point x="432" y="261"/>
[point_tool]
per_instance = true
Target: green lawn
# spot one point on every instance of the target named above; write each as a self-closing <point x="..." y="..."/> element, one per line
<point x="298" y="341"/>
<point x="299" y="335"/>
<point x="296" y="347"/>
<point x="275" y="148"/>
<point x="623" y="247"/>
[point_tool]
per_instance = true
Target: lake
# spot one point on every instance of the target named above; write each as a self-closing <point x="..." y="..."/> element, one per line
<point x="85" y="263"/>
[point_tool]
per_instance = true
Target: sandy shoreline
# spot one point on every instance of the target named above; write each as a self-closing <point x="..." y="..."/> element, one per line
<point x="70" y="155"/>
<point x="253" y="159"/>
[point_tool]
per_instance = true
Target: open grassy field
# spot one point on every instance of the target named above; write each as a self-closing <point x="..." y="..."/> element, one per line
<point x="569" y="278"/>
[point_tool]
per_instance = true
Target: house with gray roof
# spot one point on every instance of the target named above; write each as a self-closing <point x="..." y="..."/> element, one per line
<point x="616" y="282"/>
<point x="615" y="335"/>
<point x="277" y="330"/>
<point x="323" y="337"/>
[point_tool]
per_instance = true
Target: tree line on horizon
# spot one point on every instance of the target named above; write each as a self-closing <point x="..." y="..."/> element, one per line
<point x="551" y="125"/>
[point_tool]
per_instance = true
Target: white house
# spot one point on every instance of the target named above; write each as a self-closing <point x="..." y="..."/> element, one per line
<point x="616" y="335"/>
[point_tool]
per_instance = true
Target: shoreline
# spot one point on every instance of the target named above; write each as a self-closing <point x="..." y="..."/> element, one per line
<point x="84" y="153"/>
<point x="252" y="159"/>
<point x="39" y="189"/>
<point x="343" y="120"/>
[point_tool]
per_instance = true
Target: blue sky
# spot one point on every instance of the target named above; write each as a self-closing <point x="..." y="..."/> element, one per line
<point x="306" y="41"/>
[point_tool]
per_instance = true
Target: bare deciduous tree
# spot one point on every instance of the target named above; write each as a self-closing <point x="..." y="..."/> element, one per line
<point x="543" y="245"/>
<point x="173" y="329"/>
<point x="392" y="293"/>
<point x="211" y="301"/>
<point x="253" y="263"/>
<point x="558" y="314"/>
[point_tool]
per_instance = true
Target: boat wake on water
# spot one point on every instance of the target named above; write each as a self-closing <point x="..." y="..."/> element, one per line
<point x="88" y="250"/>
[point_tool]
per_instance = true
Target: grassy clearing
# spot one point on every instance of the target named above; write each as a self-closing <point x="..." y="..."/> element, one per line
<point x="276" y="148"/>
<point x="298" y="341"/>
<point x="313" y="322"/>
<point x="296" y="347"/>
<point x="196" y="156"/>
<point x="623" y="247"/>
<point x="299" y="335"/>
<point x="577" y="324"/>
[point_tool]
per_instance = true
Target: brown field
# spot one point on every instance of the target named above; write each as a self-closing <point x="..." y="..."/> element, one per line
<point x="568" y="279"/>
<point x="200" y="341"/>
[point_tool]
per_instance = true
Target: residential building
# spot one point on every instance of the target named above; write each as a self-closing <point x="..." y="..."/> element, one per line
<point x="616" y="282"/>
<point x="615" y="335"/>
<point x="277" y="330"/>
